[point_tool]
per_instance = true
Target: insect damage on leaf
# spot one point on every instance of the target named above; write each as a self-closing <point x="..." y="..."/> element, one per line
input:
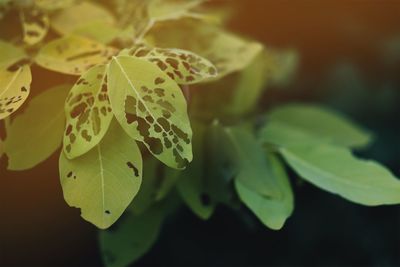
<point x="151" y="108"/>
<point x="182" y="66"/>
<point x="88" y="112"/>
<point x="15" y="82"/>
<point x="35" y="24"/>
<point x="103" y="181"/>
<point x="73" y="55"/>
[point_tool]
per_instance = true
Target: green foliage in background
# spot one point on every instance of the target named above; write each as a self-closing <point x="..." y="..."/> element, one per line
<point x="164" y="111"/>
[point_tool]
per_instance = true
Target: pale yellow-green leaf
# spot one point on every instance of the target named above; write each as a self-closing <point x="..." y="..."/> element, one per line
<point x="79" y="17"/>
<point x="88" y="112"/>
<point x="160" y="10"/>
<point x="295" y="124"/>
<point x="103" y="181"/>
<point x="273" y="212"/>
<point x="160" y="120"/>
<point x="35" y="25"/>
<point x="10" y="54"/>
<point x="14" y="89"/>
<point x="73" y="55"/>
<point x="336" y="170"/>
<point x="37" y="133"/>
<point x="182" y="66"/>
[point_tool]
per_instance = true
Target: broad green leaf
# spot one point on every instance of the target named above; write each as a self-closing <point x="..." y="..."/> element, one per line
<point x="160" y="10"/>
<point x="182" y="66"/>
<point x="146" y="196"/>
<point x="249" y="86"/>
<point x="160" y="120"/>
<point x="37" y="133"/>
<point x="134" y="234"/>
<point x="103" y="181"/>
<point x="249" y="157"/>
<point x="10" y="54"/>
<point x="304" y="124"/>
<point x="193" y="184"/>
<point x="336" y="170"/>
<point x="167" y="182"/>
<point x="73" y="55"/>
<point x="132" y="239"/>
<point x="88" y="112"/>
<point x="228" y="52"/>
<point x="274" y="211"/>
<point x="35" y="25"/>
<point x="87" y="19"/>
<point x="14" y="89"/>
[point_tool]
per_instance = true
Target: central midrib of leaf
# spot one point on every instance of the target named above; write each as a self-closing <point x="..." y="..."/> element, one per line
<point x="136" y="92"/>
<point x="102" y="182"/>
<point x="336" y="178"/>
<point x="11" y="82"/>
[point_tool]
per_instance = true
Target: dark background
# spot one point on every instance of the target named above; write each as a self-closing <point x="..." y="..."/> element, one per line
<point x="350" y="60"/>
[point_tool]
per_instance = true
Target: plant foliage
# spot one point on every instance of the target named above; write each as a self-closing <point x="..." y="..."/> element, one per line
<point x="156" y="84"/>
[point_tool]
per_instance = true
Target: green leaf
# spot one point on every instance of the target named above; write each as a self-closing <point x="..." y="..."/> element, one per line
<point x="14" y="89"/>
<point x="134" y="234"/>
<point x="88" y="112"/>
<point x="228" y="52"/>
<point x="249" y="157"/>
<point x="160" y="117"/>
<point x="87" y="19"/>
<point x="167" y="182"/>
<point x="146" y="196"/>
<point x="35" y="25"/>
<point x="37" y="133"/>
<point x="193" y="184"/>
<point x="73" y="55"/>
<point x="273" y="212"/>
<point x="11" y="54"/>
<point x="182" y="66"/>
<point x="103" y="181"/>
<point x="336" y="170"/>
<point x="249" y="86"/>
<point x="160" y="10"/>
<point x="308" y="124"/>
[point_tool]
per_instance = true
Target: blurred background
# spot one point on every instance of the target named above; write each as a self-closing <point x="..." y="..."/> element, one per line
<point x="349" y="60"/>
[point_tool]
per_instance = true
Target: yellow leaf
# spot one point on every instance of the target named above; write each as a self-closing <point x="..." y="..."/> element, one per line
<point x="14" y="89"/>
<point x="73" y="55"/>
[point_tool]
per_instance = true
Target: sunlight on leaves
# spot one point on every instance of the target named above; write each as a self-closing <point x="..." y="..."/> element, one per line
<point x="88" y="112"/>
<point x="52" y="5"/>
<point x="182" y="66"/>
<point x="103" y="181"/>
<point x="273" y="212"/>
<point x="336" y="170"/>
<point x="14" y="88"/>
<point x="309" y="124"/>
<point x="73" y="55"/>
<point x="151" y="108"/>
<point x="44" y="117"/>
